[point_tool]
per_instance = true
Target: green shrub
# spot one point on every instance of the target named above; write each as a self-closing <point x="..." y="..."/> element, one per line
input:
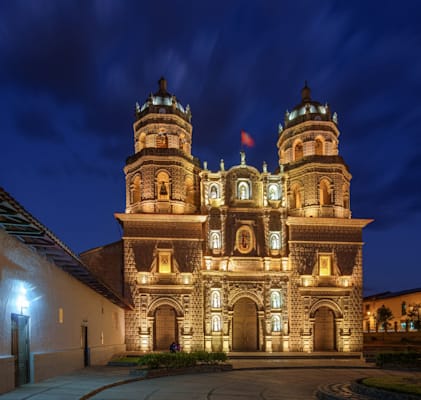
<point x="180" y="359"/>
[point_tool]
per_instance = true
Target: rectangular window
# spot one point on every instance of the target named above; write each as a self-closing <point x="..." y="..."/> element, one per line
<point x="164" y="262"/>
<point x="325" y="265"/>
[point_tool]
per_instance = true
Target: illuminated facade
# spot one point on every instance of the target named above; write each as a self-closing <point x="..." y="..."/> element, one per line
<point x="240" y="259"/>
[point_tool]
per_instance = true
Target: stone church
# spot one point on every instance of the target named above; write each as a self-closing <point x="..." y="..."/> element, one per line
<point x="238" y="259"/>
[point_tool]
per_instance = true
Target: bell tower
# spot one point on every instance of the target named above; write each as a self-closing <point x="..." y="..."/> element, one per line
<point x="318" y="178"/>
<point x="162" y="175"/>
<point x="324" y="242"/>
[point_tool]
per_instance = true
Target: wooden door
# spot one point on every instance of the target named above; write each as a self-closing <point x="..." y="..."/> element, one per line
<point x="84" y="345"/>
<point x="20" y="348"/>
<point x="165" y="327"/>
<point x="245" y="326"/>
<point x="324" y="330"/>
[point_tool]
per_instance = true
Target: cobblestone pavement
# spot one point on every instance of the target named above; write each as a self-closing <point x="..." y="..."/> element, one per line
<point x="291" y="384"/>
<point x="250" y="379"/>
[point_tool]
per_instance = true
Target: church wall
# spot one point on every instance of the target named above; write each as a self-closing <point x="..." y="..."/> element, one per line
<point x="55" y="347"/>
<point x="343" y="288"/>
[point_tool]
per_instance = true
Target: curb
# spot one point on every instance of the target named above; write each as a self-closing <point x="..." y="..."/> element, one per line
<point x="158" y="374"/>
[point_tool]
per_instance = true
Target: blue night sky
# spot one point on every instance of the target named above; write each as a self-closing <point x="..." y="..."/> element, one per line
<point x="71" y="72"/>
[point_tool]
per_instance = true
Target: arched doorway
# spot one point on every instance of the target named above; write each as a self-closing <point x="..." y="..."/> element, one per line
<point x="165" y="327"/>
<point x="245" y="335"/>
<point x="324" y="330"/>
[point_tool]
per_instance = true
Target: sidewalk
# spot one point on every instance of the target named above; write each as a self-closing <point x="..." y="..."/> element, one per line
<point x="78" y="384"/>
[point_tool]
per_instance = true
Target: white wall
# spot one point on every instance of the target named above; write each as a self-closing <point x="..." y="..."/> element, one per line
<point x="55" y="347"/>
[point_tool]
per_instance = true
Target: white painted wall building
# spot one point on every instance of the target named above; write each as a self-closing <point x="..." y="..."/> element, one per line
<point x="56" y="316"/>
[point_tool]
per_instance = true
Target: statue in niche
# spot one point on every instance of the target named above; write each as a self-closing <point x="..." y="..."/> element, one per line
<point x="244" y="240"/>
<point x="163" y="189"/>
<point x="215" y="241"/>
<point x="216" y="300"/>
<point x="213" y="192"/>
<point x="272" y="193"/>
<point x="243" y="192"/>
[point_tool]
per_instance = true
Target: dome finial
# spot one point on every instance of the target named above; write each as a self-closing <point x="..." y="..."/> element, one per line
<point x="306" y="92"/>
<point x="162" y="85"/>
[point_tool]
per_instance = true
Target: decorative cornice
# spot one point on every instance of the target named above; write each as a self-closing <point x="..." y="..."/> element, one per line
<point x="161" y="218"/>
<point x="331" y="222"/>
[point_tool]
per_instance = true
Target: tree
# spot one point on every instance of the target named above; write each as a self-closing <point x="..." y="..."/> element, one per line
<point x="414" y="315"/>
<point x="384" y="315"/>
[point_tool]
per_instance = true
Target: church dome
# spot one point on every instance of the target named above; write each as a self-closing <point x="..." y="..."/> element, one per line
<point x="163" y="102"/>
<point x="308" y="110"/>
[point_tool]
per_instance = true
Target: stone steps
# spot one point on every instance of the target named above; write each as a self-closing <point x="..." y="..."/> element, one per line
<point x="294" y="356"/>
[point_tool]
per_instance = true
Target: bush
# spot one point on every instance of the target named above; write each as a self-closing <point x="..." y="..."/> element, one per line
<point x="180" y="359"/>
<point x="205" y="357"/>
<point x="400" y="359"/>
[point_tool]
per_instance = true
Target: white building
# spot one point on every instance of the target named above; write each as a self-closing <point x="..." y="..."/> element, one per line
<point x="56" y="316"/>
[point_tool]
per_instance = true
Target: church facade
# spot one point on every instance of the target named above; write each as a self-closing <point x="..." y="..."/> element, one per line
<point x="241" y="258"/>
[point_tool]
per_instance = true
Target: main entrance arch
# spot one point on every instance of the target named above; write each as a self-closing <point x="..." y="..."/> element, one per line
<point x="324" y="330"/>
<point x="165" y="327"/>
<point x="245" y="333"/>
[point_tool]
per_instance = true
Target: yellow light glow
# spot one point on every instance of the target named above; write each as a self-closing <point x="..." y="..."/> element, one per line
<point x="324" y="265"/>
<point x="164" y="262"/>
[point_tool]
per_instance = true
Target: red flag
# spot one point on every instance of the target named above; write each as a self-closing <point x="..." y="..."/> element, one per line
<point x="246" y="139"/>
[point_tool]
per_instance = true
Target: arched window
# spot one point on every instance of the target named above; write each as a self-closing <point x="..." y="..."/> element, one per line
<point x="275" y="300"/>
<point x="325" y="192"/>
<point x="189" y="190"/>
<point x="298" y="151"/>
<point x="135" y="189"/>
<point x="274" y="241"/>
<point x="243" y="190"/>
<point x="216" y="299"/>
<point x="214" y="191"/>
<point x="276" y="323"/>
<point x="216" y="323"/>
<point x="273" y="192"/>
<point x="318" y="147"/>
<point x="345" y="195"/>
<point x="163" y="186"/>
<point x="296" y="197"/>
<point x="215" y="240"/>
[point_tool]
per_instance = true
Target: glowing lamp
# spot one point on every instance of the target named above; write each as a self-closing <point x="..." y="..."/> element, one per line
<point x="22" y="301"/>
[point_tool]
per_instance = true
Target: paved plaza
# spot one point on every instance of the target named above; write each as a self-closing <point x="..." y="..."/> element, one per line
<point x="250" y="379"/>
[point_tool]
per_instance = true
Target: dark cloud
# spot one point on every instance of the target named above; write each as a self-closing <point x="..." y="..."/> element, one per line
<point x="71" y="72"/>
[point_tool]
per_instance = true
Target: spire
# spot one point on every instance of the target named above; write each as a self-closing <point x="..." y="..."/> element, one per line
<point x="305" y="93"/>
